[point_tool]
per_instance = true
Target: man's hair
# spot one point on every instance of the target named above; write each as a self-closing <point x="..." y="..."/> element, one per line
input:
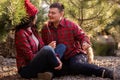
<point x="57" y="5"/>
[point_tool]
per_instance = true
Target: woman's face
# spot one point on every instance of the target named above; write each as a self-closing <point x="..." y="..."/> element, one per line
<point x="35" y="20"/>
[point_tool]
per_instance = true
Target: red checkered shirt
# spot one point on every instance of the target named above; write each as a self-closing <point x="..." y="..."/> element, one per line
<point x="26" y="47"/>
<point x="67" y="33"/>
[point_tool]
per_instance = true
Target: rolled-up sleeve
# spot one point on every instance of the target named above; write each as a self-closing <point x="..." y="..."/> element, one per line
<point x="80" y="35"/>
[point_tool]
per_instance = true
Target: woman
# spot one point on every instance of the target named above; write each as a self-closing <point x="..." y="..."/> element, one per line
<point x="33" y="57"/>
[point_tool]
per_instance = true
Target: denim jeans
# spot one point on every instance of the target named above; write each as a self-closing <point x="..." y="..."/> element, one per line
<point x="78" y="65"/>
<point x="60" y="49"/>
<point x="44" y="60"/>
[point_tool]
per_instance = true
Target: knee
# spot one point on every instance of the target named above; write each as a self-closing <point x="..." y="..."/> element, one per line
<point x="48" y="50"/>
<point x="62" y="46"/>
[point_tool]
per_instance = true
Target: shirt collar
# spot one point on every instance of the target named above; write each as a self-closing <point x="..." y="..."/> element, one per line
<point x="62" y="23"/>
<point x="28" y="31"/>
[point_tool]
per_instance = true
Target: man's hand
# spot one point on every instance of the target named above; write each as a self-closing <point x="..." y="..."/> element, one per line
<point x="85" y="46"/>
<point x="60" y="64"/>
<point x="90" y="55"/>
<point x="88" y="49"/>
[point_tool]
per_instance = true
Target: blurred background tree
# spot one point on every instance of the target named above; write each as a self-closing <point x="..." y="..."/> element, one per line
<point x="91" y="15"/>
<point x="11" y="13"/>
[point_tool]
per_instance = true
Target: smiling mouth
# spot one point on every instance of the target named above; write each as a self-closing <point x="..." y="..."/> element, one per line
<point x="50" y="18"/>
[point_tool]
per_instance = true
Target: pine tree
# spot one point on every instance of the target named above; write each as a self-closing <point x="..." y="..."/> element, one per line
<point x="11" y="13"/>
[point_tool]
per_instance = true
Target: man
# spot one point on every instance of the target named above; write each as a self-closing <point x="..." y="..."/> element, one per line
<point x="64" y="31"/>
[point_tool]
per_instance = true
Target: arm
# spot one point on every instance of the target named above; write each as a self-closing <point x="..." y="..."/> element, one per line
<point x="23" y="47"/>
<point x="85" y="43"/>
<point x="90" y="55"/>
<point x="45" y="35"/>
<point x="80" y="35"/>
<point x="60" y="64"/>
<point x="53" y="45"/>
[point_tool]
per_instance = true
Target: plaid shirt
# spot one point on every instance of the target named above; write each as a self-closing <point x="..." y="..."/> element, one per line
<point x="67" y="33"/>
<point x="26" y="47"/>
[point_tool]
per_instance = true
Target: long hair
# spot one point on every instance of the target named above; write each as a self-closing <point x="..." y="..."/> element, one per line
<point x="25" y="22"/>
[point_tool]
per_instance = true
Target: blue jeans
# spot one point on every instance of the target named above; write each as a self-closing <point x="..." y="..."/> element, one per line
<point x="44" y="60"/>
<point x="60" y="49"/>
<point x="78" y="65"/>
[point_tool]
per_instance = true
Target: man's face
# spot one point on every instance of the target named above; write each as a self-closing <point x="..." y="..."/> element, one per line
<point x="54" y="15"/>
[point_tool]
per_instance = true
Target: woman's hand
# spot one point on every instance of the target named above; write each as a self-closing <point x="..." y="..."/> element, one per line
<point x="60" y="64"/>
<point x="52" y="44"/>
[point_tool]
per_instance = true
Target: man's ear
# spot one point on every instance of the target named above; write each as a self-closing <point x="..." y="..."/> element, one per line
<point x="62" y="13"/>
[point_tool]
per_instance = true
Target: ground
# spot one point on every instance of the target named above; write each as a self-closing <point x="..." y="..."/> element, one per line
<point x="8" y="69"/>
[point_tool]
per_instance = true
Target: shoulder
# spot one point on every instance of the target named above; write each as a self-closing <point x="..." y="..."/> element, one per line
<point x="70" y="23"/>
<point x="45" y="25"/>
<point x="21" y="32"/>
<point x="24" y="30"/>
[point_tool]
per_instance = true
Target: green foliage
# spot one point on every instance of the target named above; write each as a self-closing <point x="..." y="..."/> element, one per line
<point x="41" y="14"/>
<point x="11" y="13"/>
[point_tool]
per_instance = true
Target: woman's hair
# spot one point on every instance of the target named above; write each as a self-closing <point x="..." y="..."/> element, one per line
<point x="57" y="5"/>
<point x="25" y="22"/>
